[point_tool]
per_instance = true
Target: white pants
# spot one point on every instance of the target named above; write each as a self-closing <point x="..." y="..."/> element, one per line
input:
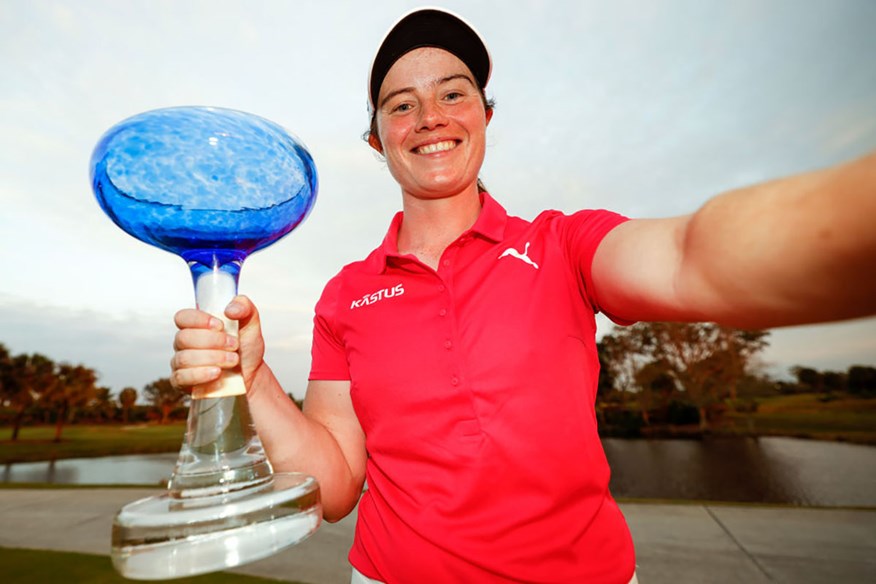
<point x="358" y="578"/>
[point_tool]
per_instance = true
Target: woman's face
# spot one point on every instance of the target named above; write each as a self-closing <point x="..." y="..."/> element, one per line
<point x="432" y="123"/>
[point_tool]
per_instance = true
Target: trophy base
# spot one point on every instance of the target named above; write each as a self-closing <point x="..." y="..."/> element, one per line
<point x="159" y="538"/>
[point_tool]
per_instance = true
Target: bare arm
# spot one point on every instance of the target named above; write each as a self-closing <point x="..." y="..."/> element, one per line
<point x="791" y="251"/>
<point x="325" y="441"/>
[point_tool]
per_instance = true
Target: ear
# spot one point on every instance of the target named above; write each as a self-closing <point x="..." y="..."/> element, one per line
<point x="489" y="114"/>
<point x="374" y="142"/>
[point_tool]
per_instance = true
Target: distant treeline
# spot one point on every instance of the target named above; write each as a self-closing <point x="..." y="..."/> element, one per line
<point x="651" y="374"/>
<point x="679" y="374"/>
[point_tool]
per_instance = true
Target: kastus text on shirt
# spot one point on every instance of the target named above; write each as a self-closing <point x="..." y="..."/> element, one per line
<point x="396" y="290"/>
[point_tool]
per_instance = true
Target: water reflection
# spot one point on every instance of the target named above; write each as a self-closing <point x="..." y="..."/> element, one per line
<point x="752" y="470"/>
<point x="849" y="475"/>
<point x="145" y="469"/>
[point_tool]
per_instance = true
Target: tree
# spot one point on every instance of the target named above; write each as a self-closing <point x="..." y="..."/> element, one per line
<point x="740" y="346"/>
<point x="706" y="359"/>
<point x="27" y="377"/>
<point x="862" y="379"/>
<point x="656" y="384"/>
<point x="809" y="379"/>
<point x="75" y="388"/>
<point x="6" y="379"/>
<point x="164" y="396"/>
<point x="101" y="407"/>
<point x="605" y="383"/>
<point x="622" y="353"/>
<point x="127" y="399"/>
<point x="833" y="381"/>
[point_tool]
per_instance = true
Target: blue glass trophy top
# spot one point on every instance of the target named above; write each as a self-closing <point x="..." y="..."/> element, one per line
<point x="209" y="184"/>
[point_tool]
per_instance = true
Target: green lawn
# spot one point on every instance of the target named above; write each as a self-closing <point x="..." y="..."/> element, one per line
<point x="35" y="443"/>
<point x="21" y="566"/>
<point x="810" y="416"/>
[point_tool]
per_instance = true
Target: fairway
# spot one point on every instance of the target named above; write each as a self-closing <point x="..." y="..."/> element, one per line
<point x="87" y="441"/>
<point x="840" y="417"/>
<point x="23" y="566"/>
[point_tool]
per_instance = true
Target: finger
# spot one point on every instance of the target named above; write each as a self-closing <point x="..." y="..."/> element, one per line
<point x="193" y="318"/>
<point x="252" y="345"/>
<point x="187" y="379"/>
<point x="199" y="358"/>
<point x="241" y="308"/>
<point x="244" y="311"/>
<point x="204" y="339"/>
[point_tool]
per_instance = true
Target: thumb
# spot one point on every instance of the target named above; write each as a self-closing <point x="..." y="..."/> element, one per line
<point x="252" y="344"/>
<point x="242" y="310"/>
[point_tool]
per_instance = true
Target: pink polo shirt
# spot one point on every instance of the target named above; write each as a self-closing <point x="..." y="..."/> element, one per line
<point x="475" y="387"/>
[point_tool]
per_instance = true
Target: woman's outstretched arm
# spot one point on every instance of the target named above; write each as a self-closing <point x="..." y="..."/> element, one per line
<point x="791" y="251"/>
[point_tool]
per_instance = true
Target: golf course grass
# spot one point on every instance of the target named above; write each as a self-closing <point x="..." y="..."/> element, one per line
<point x="815" y="416"/>
<point x="23" y="566"/>
<point x="35" y="443"/>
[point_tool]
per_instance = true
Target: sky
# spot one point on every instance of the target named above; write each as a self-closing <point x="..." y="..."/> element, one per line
<point x="647" y="108"/>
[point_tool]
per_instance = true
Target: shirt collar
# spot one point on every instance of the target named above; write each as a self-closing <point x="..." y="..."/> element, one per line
<point x="490" y="225"/>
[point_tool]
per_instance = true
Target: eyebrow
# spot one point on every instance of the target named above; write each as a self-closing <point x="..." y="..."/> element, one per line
<point x="441" y="81"/>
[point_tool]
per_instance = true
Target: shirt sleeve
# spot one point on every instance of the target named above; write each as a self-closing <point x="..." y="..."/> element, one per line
<point x="581" y="234"/>
<point x="327" y="352"/>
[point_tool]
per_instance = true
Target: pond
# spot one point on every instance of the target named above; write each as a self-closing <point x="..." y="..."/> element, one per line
<point x="751" y="470"/>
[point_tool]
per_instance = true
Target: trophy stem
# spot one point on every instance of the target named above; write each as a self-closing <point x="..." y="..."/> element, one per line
<point x="224" y="504"/>
<point x="215" y="278"/>
<point x="222" y="452"/>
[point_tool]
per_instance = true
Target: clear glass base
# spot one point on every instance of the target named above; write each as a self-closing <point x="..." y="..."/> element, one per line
<point x="221" y="452"/>
<point x="163" y="537"/>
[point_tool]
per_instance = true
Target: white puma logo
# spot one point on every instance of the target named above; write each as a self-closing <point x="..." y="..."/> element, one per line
<point x="520" y="256"/>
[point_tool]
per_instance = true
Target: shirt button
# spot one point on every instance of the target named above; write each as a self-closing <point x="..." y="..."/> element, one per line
<point x="441" y="288"/>
<point x="448" y="345"/>
<point x="454" y="380"/>
<point x="442" y="312"/>
<point x="445" y="263"/>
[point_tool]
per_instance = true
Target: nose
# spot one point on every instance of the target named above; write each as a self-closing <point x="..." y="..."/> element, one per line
<point x="431" y="116"/>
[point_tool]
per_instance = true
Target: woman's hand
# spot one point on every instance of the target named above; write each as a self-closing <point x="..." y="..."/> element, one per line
<point x="327" y="443"/>
<point x="203" y="348"/>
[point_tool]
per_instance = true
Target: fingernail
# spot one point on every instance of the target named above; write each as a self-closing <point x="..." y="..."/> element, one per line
<point x="230" y="343"/>
<point x="233" y="308"/>
<point x="230" y="357"/>
<point x="215" y="323"/>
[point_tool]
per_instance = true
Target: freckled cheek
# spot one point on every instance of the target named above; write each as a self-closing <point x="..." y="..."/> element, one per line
<point x="393" y="130"/>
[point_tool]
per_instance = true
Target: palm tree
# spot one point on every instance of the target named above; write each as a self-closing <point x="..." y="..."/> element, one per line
<point x="127" y="399"/>
<point x="164" y="396"/>
<point x="75" y="388"/>
<point x="27" y="377"/>
<point x="102" y="407"/>
<point x="5" y="373"/>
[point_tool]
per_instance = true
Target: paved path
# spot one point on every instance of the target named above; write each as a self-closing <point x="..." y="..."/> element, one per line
<point x="676" y="544"/>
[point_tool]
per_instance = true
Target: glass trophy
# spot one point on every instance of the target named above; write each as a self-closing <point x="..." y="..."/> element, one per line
<point x="210" y="185"/>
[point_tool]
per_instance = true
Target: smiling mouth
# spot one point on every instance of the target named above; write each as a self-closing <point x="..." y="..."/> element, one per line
<point x="436" y="147"/>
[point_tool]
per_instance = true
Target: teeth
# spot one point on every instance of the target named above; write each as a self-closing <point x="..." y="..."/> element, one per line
<point x="437" y="147"/>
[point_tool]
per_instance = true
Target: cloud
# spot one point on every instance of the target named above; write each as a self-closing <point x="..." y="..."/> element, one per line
<point x="829" y="347"/>
<point x="131" y="350"/>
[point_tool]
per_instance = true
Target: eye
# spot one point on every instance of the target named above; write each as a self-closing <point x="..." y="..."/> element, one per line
<point x="402" y="107"/>
<point x="453" y="95"/>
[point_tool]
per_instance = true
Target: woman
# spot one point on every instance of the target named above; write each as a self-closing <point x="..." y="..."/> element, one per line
<point x="455" y="367"/>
